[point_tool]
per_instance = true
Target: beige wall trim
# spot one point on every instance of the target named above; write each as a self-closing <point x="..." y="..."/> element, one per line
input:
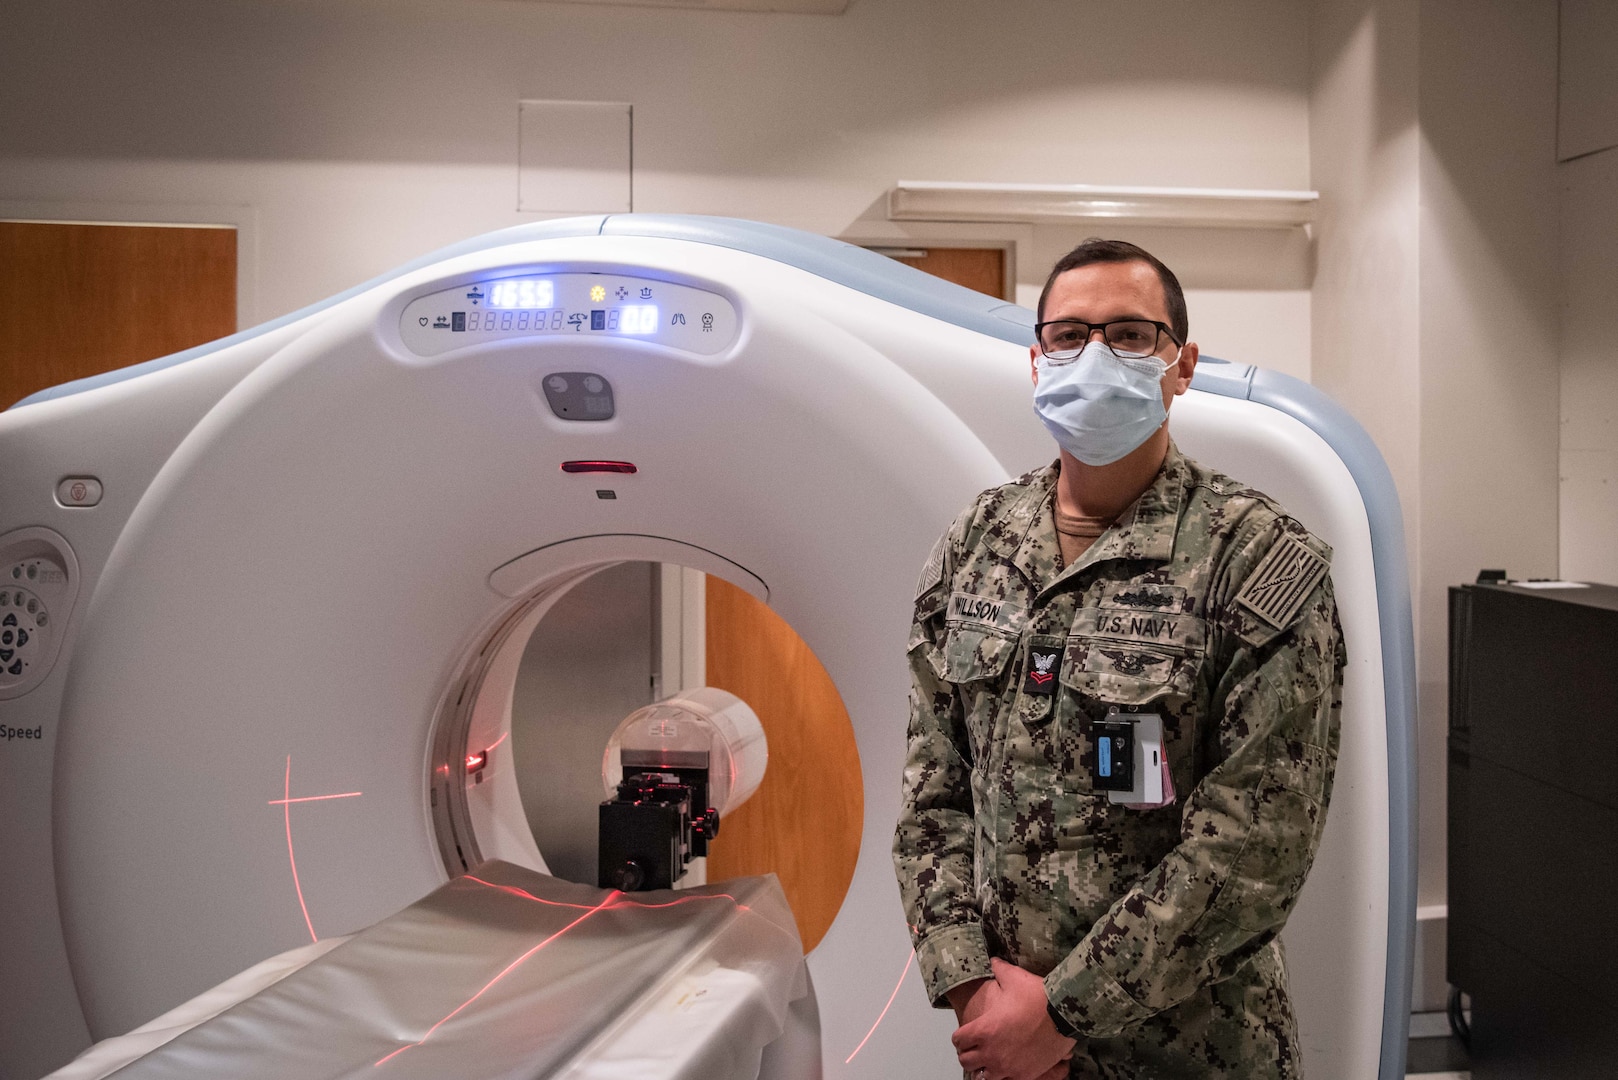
<point x="796" y="7"/>
<point x="1199" y="207"/>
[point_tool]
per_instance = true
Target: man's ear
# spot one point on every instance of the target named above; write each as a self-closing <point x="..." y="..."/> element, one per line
<point x="1033" y="363"/>
<point x="1188" y="368"/>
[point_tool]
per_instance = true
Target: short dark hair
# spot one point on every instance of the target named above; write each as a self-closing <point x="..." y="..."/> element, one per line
<point x="1097" y="250"/>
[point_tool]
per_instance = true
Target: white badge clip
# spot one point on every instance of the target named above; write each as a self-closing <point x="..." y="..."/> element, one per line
<point x="1154" y="786"/>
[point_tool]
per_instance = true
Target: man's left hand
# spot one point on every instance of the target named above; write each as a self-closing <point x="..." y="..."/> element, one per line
<point x="1014" y="1039"/>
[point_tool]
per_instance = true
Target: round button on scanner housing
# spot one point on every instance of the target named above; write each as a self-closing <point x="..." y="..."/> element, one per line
<point x="79" y="491"/>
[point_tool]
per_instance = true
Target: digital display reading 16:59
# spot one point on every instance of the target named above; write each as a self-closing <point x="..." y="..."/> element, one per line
<point x="524" y="294"/>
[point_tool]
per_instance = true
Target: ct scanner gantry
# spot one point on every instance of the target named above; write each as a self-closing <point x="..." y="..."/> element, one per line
<point x="297" y="556"/>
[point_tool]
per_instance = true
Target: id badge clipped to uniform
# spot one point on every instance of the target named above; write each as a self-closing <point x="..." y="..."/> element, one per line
<point x="1128" y="763"/>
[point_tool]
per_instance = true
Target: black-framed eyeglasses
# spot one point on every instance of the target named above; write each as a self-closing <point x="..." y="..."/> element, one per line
<point x="1062" y="340"/>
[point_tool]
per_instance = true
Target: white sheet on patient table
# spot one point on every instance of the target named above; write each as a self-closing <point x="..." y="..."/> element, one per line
<point x="503" y="973"/>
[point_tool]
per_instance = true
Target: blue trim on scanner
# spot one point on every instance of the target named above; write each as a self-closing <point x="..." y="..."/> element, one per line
<point x="1365" y="464"/>
<point x="881" y="277"/>
<point x="861" y="270"/>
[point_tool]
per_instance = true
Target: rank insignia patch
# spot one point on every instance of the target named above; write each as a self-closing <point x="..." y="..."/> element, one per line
<point x="1043" y="662"/>
<point x="1283" y="580"/>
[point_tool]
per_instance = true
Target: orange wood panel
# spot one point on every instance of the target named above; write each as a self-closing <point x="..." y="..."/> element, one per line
<point x="983" y="269"/>
<point x="78" y="300"/>
<point x="803" y="823"/>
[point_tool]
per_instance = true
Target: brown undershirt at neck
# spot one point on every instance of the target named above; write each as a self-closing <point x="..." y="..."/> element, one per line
<point x="1075" y="532"/>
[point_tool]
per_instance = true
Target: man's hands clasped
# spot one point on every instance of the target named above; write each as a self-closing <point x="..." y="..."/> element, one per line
<point x="1005" y="1031"/>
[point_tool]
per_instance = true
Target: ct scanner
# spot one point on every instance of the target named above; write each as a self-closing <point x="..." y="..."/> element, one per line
<point x="299" y="559"/>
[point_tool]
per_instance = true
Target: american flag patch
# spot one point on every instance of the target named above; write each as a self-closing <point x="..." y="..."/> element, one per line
<point x="1284" y="579"/>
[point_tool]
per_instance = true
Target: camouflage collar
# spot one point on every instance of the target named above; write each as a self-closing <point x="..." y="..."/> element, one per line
<point x="1145" y="529"/>
<point x="1026" y="532"/>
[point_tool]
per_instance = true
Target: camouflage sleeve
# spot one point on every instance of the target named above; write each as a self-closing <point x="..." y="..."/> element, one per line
<point x="1250" y="828"/>
<point x="933" y="842"/>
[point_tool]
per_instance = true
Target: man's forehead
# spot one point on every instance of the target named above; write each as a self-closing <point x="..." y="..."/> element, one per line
<point x="1106" y="290"/>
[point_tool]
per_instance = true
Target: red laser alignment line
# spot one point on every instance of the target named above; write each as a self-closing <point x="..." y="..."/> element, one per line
<point x="911" y="959"/>
<point x="315" y="798"/>
<point x="286" y="808"/>
<point x="514" y="891"/>
<point x="524" y="894"/>
<point x="613" y="900"/>
<point x="508" y="969"/>
<point x="285" y="802"/>
<point x="710" y="896"/>
<point x="685" y="900"/>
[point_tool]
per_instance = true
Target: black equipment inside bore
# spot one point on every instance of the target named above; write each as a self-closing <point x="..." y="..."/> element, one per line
<point x="649" y="829"/>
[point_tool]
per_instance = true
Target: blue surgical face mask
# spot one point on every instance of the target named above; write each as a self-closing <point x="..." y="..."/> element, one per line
<point x="1099" y="406"/>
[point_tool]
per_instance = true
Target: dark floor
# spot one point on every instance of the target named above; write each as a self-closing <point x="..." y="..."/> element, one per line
<point x="1436" y="1055"/>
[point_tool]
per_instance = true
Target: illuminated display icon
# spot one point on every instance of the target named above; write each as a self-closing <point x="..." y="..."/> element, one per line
<point x="639" y="319"/>
<point x="598" y="293"/>
<point x="519" y="293"/>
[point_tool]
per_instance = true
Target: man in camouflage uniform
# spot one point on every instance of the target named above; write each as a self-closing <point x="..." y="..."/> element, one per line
<point x="1074" y="935"/>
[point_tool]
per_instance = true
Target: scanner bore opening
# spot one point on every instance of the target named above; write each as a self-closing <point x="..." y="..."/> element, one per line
<point x="516" y="769"/>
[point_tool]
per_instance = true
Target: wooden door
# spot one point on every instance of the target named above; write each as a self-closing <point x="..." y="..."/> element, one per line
<point x="803" y="823"/>
<point x="78" y="300"/>
<point x="981" y="269"/>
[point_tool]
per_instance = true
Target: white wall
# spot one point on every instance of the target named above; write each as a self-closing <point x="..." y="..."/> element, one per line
<point x="1364" y="151"/>
<point x="1589" y="284"/>
<point x="1435" y="301"/>
<point x="1246" y="290"/>
<point x="353" y="136"/>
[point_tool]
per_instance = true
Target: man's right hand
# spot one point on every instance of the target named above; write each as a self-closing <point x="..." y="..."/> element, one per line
<point x="1007" y="1031"/>
<point x="971" y="1000"/>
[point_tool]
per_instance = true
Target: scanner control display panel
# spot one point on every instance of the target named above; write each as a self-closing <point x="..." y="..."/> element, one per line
<point x="569" y="305"/>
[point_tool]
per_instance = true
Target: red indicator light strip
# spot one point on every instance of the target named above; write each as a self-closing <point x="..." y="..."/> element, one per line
<point x="625" y="467"/>
<point x="911" y="959"/>
<point x="508" y="970"/>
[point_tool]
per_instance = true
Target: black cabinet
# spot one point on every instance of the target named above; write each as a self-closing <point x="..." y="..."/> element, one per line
<point x="1533" y="828"/>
